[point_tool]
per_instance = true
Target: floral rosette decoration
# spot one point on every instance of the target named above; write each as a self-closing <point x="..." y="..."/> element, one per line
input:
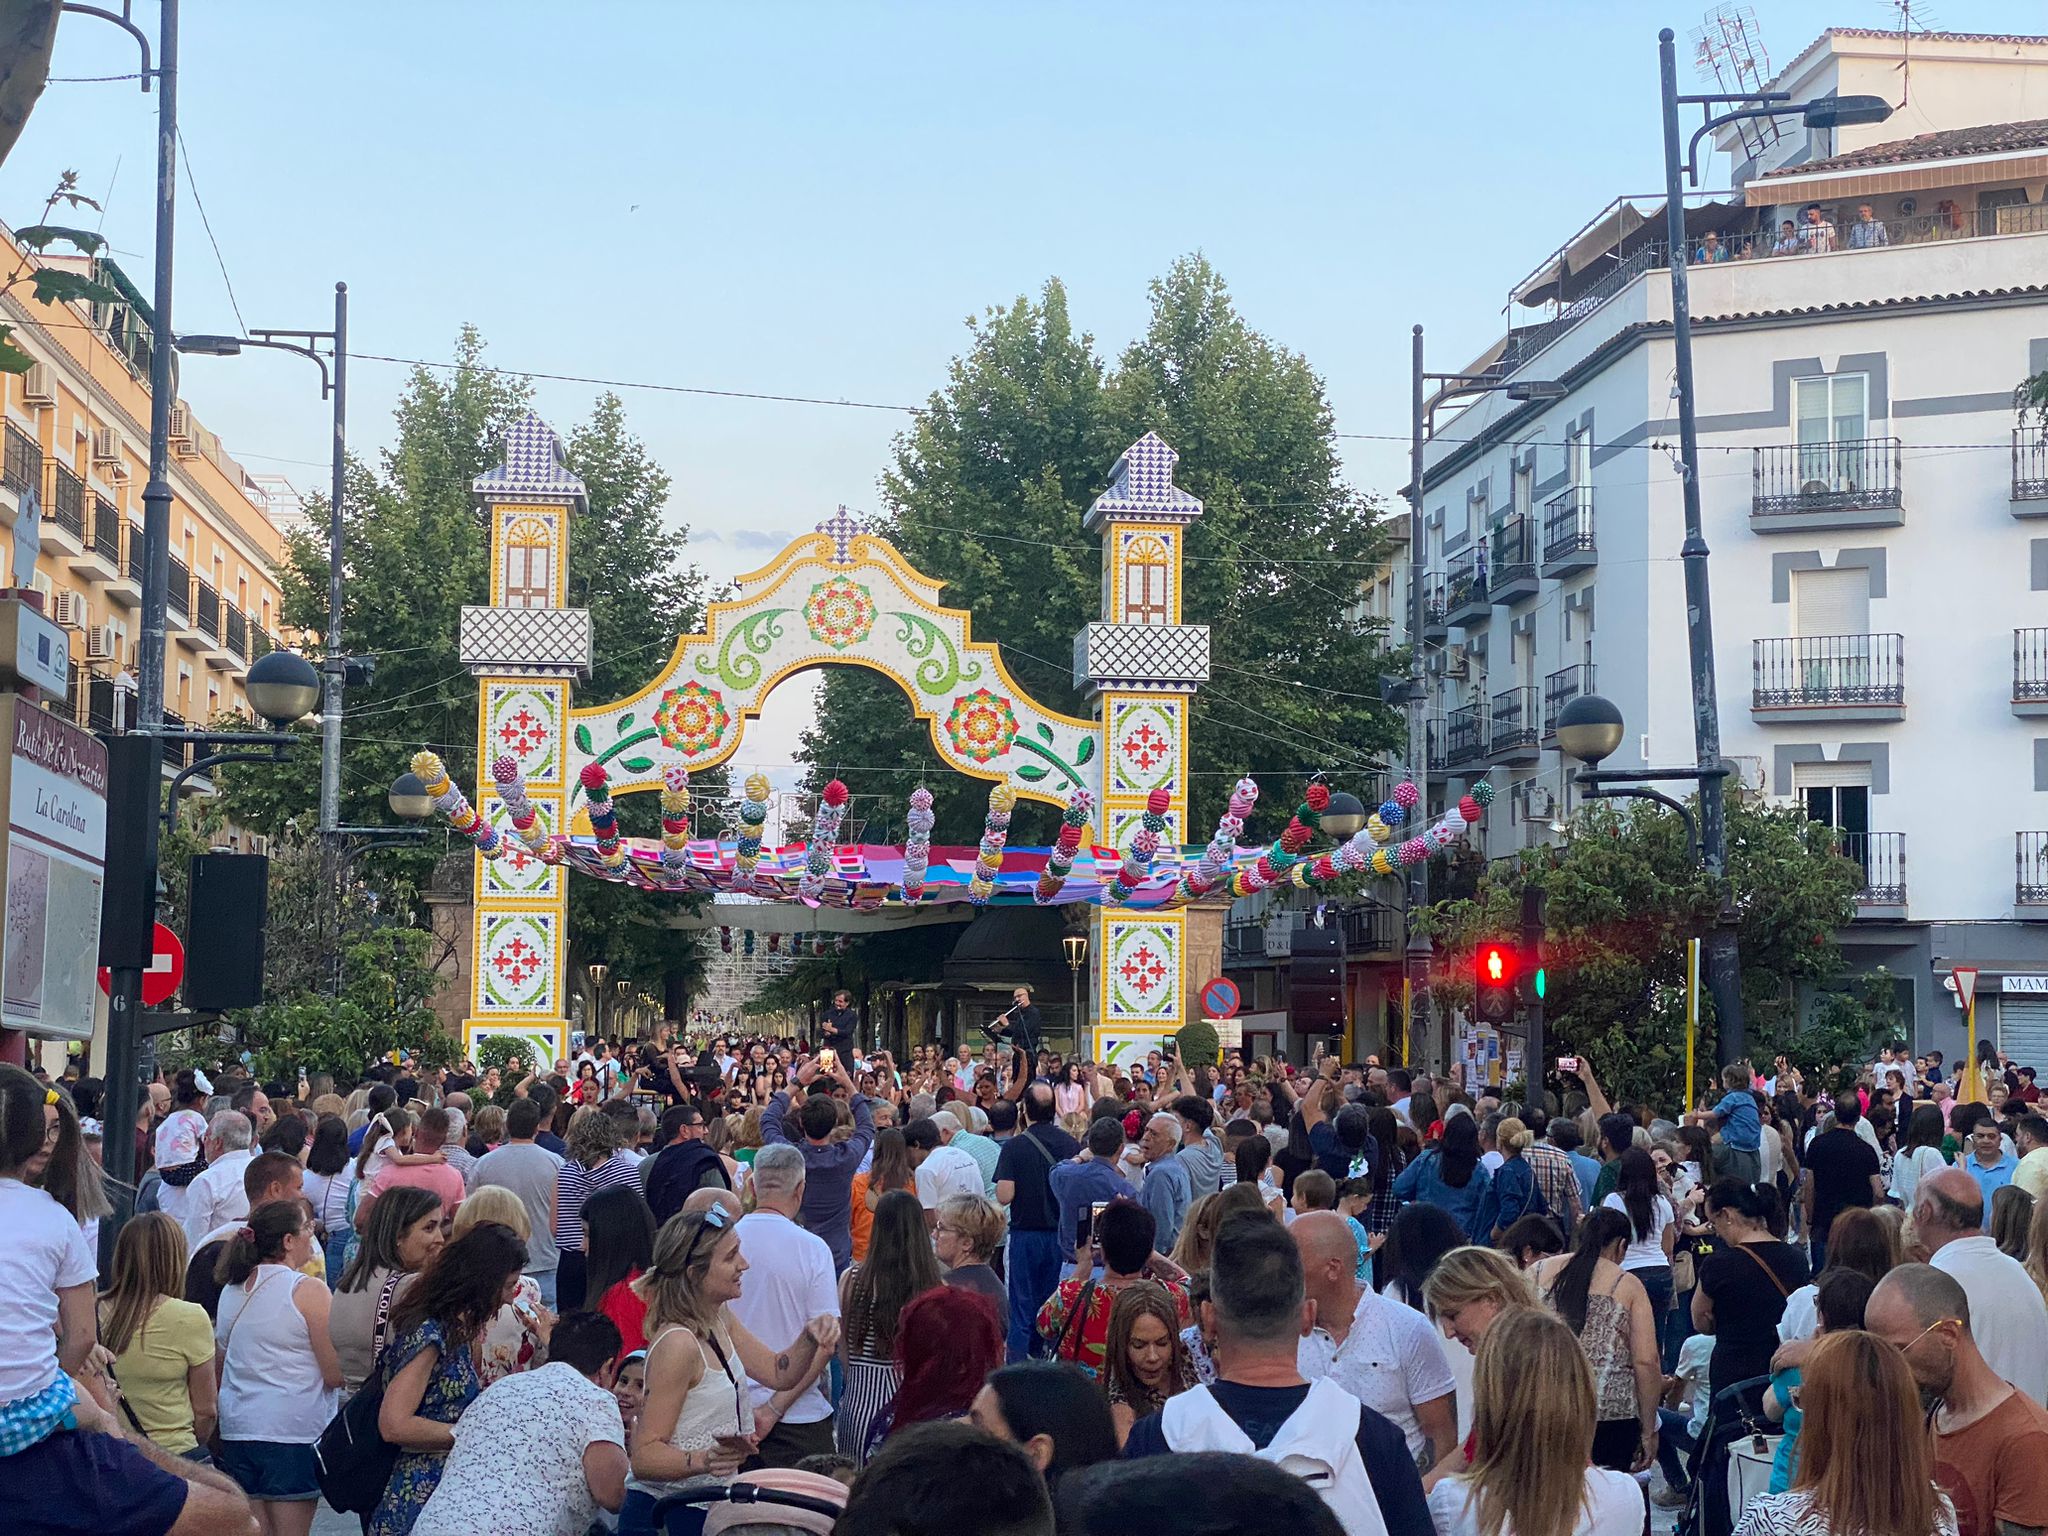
<point x="839" y="612"/>
<point x="753" y="813"/>
<point x="1221" y="853"/>
<point x="995" y="832"/>
<point x="691" y="719"/>
<point x="981" y="725"/>
<point x="917" y="843"/>
<point x="1137" y="860"/>
<point x="604" y="820"/>
<point x="824" y="833"/>
<point x="452" y="803"/>
<point x="1059" y="861"/>
<point x="675" y="819"/>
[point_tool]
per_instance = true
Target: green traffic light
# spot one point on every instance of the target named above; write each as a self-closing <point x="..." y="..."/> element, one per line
<point x="1542" y="981"/>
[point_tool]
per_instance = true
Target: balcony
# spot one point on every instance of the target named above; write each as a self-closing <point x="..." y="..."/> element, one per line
<point x="1882" y="856"/>
<point x="104" y="707"/>
<point x="1853" y="483"/>
<point x="178" y="595"/>
<point x="1568" y="533"/>
<point x="1371" y="929"/>
<point x="63" y="529"/>
<point x="2030" y="873"/>
<point x="2030" y="471"/>
<point x="126" y="588"/>
<point x="1436" y="737"/>
<point x="1842" y="678"/>
<point x="2030" y="673"/>
<point x="1433" y="625"/>
<point x="1514" y="578"/>
<point x="103" y="545"/>
<point x="238" y="632"/>
<point x="206" y="609"/>
<point x="1465" y="601"/>
<point x="176" y="753"/>
<point x="21" y="464"/>
<point x="1559" y="689"/>
<point x="1512" y="736"/>
<point x="1465" y="736"/>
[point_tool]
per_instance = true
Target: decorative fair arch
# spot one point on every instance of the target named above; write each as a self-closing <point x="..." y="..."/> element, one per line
<point x="839" y="597"/>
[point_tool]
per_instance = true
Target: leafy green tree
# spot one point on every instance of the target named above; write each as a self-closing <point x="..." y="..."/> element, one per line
<point x="1623" y="894"/>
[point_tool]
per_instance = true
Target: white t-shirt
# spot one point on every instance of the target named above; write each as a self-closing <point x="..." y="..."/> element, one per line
<point x="1390" y="1360"/>
<point x="43" y="1252"/>
<point x="536" y="1425"/>
<point x="1909" y="1168"/>
<point x="1644" y="1253"/>
<point x="947" y="1172"/>
<point x="788" y="1282"/>
<point x="1613" y="1507"/>
<point x="2008" y="1318"/>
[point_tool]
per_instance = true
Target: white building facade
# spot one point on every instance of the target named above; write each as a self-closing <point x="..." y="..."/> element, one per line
<point x="1877" y="514"/>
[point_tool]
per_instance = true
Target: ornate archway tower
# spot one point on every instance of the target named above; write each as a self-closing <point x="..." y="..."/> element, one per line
<point x="524" y="649"/>
<point x="1140" y="666"/>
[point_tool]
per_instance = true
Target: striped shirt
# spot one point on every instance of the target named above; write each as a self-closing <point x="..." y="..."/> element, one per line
<point x="576" y="1184"/>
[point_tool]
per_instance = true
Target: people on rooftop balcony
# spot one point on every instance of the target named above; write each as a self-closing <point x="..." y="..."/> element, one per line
<point x="1817" y="233"/>
<point x="1867" y="230"/>
<point x="1788" y="240"/>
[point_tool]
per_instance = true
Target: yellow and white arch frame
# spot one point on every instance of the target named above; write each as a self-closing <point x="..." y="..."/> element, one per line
<point x="836" y="597"/>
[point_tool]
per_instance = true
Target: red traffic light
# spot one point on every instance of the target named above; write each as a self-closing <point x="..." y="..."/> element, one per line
<point x="1496" y="964"/>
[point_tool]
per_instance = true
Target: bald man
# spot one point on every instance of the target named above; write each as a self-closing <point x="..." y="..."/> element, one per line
<point x="704" y="1199"/>
<point x="1991" y="1440"/>
<point x="1384" y="1354"/>
<point x="2011" y="1318"/>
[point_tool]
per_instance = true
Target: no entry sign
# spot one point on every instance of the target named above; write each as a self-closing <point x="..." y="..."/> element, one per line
<point x="166" y="969"/>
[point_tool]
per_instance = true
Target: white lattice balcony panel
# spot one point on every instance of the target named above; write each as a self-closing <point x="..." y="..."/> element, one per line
<point x="553" y="642"/>
<point x="1140" y="656"/>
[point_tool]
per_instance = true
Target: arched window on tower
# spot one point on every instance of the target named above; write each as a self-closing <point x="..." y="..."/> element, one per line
<point x="1147" y="577"/>
<point x="529" y="564"/>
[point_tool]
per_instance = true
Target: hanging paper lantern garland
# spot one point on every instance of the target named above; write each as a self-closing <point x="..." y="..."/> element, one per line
<point x="1406" y="795"/>
<point x="753" y="812"/>
<point x="675" y="820"/>
<point x="747" y="942"/>
<point x="995" y="832"/>
<point x="512" y="791"/>
<point x="725" y="940"/>
<point x="453" y="804"/>
<point x="1137" y="859"/>
<point x="1059" y="860"/>
<point x="774" y="943"/>
<point x="824" y="834"/>
<point x="917" y="843"/>
<point x="604" y="821"/>
<point x="1210" y="869"/>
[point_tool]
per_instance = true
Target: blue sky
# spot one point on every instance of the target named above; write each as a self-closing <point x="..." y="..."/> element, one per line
<point x="808" y="198"/>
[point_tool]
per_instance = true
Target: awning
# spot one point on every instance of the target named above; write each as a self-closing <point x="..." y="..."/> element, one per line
<point x="1622" y="228"/>
<point x="1882" y="180"/>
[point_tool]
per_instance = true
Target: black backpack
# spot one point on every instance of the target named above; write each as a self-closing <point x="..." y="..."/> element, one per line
<point x="352" y="1459"/>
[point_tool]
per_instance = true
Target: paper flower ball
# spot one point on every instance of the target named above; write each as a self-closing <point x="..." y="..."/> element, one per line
<point x="1377" y="829"/>
<point x="1413" y="851"/>
<point x="1002" y="798"/>
<point x="1453" y="824"/>
<point x="921" y="799"/>
<point x="1159" y="801"/>
<point x="757" y="786"/>
<point x="592" y="775"/>
<point x="1393" y="813"/>
<point x="1483" y="792"/>
<point x="834" y="793"/>
<point x="1318" y="797"/>
<point x="1406" y="795"/>
<point x="504" y="769"/>
<point x="1469" y="808"/>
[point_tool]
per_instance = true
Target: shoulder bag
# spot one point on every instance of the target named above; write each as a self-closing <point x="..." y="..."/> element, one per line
<point x="352" y="1458"/>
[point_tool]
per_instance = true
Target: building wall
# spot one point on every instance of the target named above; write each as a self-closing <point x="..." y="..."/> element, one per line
<point x="218" y="524"/>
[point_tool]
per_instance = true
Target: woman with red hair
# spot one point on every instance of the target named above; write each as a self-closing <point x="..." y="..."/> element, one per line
<point x="947" y="1342"/>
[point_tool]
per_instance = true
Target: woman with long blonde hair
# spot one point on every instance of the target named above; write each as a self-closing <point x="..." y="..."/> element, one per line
<point x="1144" y="1361"/>
<point x="1866" y="1460"/>
<point x="162" y="1344"/>
<point x="697" y="1423"/>
<point x="1532" y="1434"/>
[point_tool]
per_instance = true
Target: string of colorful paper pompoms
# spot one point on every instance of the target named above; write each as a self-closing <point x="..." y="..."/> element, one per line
<point x="988" y="857"/>
<point x="1059" y="860"/>
<point x="824" y="834"/>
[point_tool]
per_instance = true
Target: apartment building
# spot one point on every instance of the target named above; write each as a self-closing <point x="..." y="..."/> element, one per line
<point x="76" y="433"/>
<point x="1864" y="303"/>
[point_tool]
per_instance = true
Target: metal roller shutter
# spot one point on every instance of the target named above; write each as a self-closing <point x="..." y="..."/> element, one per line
<point x="2023" y="1030"/>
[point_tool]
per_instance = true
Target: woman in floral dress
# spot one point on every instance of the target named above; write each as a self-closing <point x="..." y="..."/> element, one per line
<point x="429" y="1367"/>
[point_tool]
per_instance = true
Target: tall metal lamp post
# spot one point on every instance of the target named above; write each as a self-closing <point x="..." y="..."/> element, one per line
<point x="598" y="971"/>
<point x="1421" y="422"/>
<point x="1076" y="946"/>
<point x="1722" y="963"/>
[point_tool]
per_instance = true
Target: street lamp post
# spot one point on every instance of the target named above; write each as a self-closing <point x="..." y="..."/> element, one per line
<point x="333" y="366"/>
<point x="598" y="971"/>
<point x="410" y="802"/>
<point x="1723" y="967"/>
<point x="1076" y="946"/>
<point x="1421" y="421"/>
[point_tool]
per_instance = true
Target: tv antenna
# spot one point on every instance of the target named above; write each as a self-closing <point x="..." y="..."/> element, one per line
<point x="1728" y="50"/>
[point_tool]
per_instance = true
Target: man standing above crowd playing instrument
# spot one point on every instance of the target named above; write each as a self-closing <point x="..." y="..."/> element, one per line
<point x="1025" y="1029"/>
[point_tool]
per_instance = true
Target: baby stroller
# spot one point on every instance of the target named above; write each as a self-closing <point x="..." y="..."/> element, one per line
<point x="744" y="1506"/>
<point x="1734" y="1413"/>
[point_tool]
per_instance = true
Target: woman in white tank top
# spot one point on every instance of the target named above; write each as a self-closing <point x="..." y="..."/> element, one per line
<point x="697" y="1424"/>
<point x="279" y="1373"/>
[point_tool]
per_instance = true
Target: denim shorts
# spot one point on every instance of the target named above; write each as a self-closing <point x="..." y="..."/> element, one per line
<point x="271" y="1470"/>
<point x="87" y="1484"/>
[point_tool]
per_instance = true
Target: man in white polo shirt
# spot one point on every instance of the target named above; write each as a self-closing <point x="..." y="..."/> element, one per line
<point x="789" y="1281"/>
<point x="2008" y="1318"/>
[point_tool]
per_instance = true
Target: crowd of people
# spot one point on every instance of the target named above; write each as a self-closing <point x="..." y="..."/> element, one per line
<point x="1004" y="1290"/>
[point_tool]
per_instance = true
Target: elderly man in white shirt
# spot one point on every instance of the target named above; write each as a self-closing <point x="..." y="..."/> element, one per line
<point x="2008" y="1318"/>
<point x="1386" y="1355"/>
<point x="216" y="1197"/>
<point x="789" y="1282"/>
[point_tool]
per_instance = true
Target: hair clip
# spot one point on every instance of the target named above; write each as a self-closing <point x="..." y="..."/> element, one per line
<point x="49" y="1096"/>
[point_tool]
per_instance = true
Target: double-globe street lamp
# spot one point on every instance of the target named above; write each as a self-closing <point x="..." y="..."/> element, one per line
<point x="1421" y="423"/>
<point x="1722" y="963"/>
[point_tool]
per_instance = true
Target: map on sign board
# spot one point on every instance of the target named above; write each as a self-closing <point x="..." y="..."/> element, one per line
<point x="1229" y="1032"/>
<point x="56" y="793"/>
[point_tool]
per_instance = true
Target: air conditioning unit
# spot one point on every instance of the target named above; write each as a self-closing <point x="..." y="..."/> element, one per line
<point x="37" y="385"/>
<point x="106" y="445"/>
<point x="1748" y="773"/>
<point x="181" y="424"/>
<point x="67" y="610"/>
<point x="1457" y="661"/>
<point x="100" y="643"/>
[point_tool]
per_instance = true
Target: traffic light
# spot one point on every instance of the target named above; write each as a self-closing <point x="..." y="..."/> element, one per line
<point x="1535" y="985"/>
<point x="1498" y="964"/>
